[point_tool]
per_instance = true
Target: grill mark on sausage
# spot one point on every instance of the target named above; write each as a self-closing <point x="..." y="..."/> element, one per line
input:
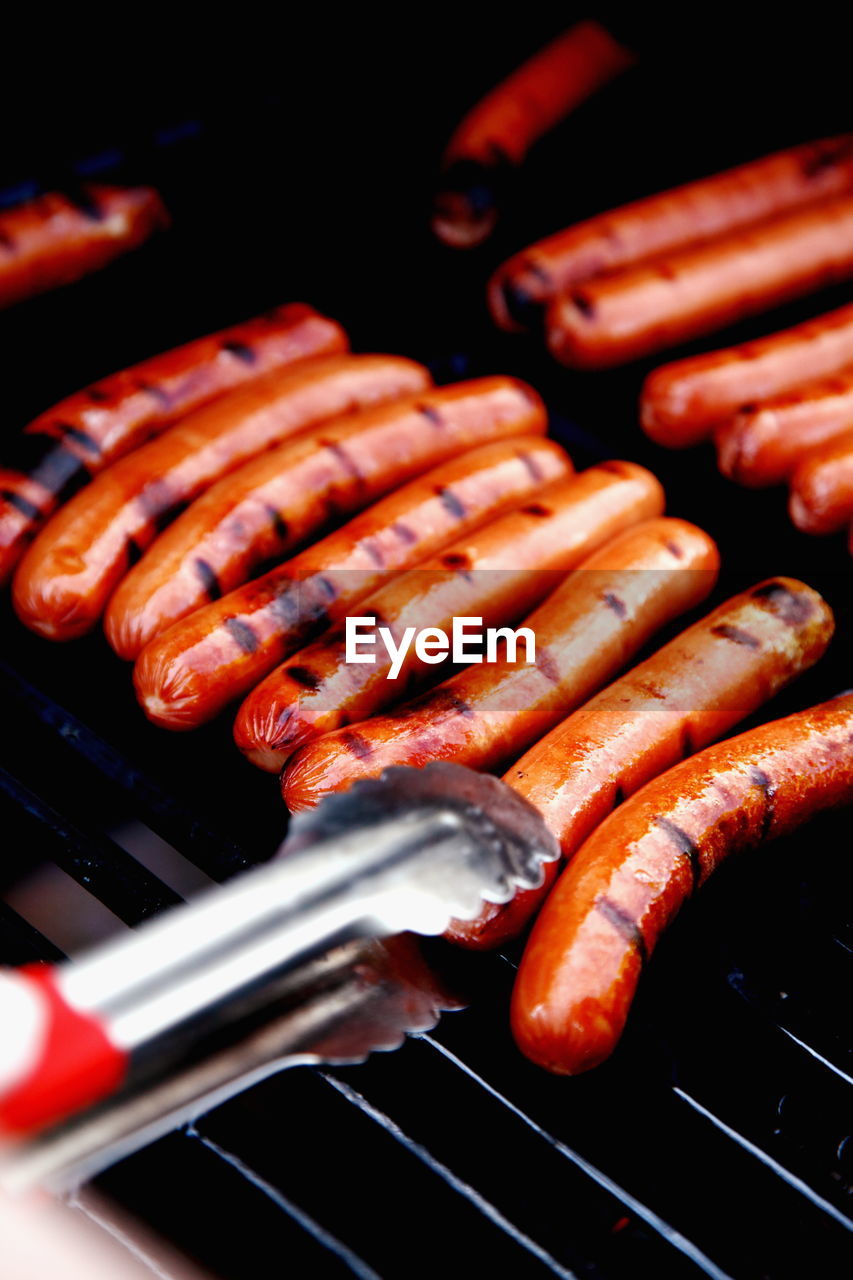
<point x="674" y="549"/>
<point x="345" y="459"/>
<point x="278" y="522"/>
<point x="157" y="393"/>
<point x="536" y="509"/>
<point x="765" y="784"/>
<point x="584" y="304"/>
<point x="532" y="466"/>
<point x="374" y="551"/>
<point x="404" y="533"/>
<point x="431" y="414"/>
<point x="615" y="603"/>
<point x="450" y="502"/>
<point x="356" y="745"/>
<point x="737" y="635"/>
<point x="98" y="395"/>
<point x="82" y="438"/>
<point x="456" y="560"/>
<point x="241" y="351"/>
<point x="328" y="588"/>
<point x="624" y="925"/>
<point x="825" y="157"/>
<point x="208" y="579"/>
<point x="20" y="503"/>
<point x="546" y="664"/>
<point x="242" y="634"/>
<point x="304" y="677"/>
<point x="443" y="700"/>
<point x="786" y="604"/>
<point x="685" y="844"/>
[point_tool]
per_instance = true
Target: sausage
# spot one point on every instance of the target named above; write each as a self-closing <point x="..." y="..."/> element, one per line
<point x="821" y="493"/>
<point x="77" y="438"/>
<point x="690" y="692"/>
<point x="497" y="573"/>
<point x="582" y="964"/>
<point x="693" y="291"/>
<point x="68" y="574"/>
<point x="486" y="714"/>
<point x="273" y="502"/>
<point x="191" y="672"/>
<point x="497" y="134"/>
<point x="56" y="238"/>
<point x="661" y="223"/>
<point x="682" y="402"/>
<point x="762" y="444"/>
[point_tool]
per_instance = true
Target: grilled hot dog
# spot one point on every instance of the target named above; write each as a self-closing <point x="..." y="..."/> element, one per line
<point x="665" y="222"/>
<point x="68" y="574"/>
<point x="583" y="962"/>
<point x="54" y="239"/>
<point x="198" y="666"/>
<point x="821" y="494"/>
<point x="497" y="573"/>
<point x="763" y="443"/>
<point x="585" y="631"/>
<point x="77" y="438"/>
<point x="273" y="502"/>
<point x="686" y="293"/>
<point x="690" y="692"/>
<point x="682" y="402"/>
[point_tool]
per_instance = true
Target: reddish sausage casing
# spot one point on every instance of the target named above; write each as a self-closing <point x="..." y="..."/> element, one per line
<point x="693" y="291"/>
<point x="65" y="579"/>
<point x="690" y="692"/>
<point x="682" y="402"/>
<point x="583" y="962"/>
<point x="667" y="221"/>
<point x="821" y="488"/>
<point x="54" y="240"/>
<point x="486" y="714"/>
<point x="61" y="448"/>
<point x="191" y="672"/>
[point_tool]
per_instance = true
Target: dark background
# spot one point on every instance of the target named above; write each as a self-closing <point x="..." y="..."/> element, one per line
<point x="297" y="154"/>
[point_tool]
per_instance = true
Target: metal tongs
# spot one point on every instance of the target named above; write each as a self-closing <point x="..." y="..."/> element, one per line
<point x="282" y="965"/>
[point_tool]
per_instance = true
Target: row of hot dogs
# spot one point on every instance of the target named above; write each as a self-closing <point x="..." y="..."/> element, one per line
<point x="442" y="502"/>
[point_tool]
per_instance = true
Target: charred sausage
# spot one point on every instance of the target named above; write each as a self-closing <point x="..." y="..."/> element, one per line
<point x="55" y="239"/>
<point x="59" y="451"/>
<point x="583" y="961"/>
<point x="763" y="443"/>
<point x="659" y="224"/>
<point x="497" y="134"/>
<point x="497" y="573"/>
<point x="682" y="402"/>
<point x="686" y="293"/>
<point x="690" y="692"/>
<point x="486" y="714"/>
<point x="273" y="502"/>
<point x="192" y="671"/>
<point x="66" y="577"/>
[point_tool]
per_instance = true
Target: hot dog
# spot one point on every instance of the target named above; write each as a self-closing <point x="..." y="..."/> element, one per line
<point x="486" y="714"/>
<point x="66" y="577"/>
<point x="497" y="573"/>
<point x="821" y="493"/>
<point x="686" y="293"/>
<point x="274" y="501"/>
<point x="198" y="666"/>
<point x="682" y="402"/>
<point x="665" y="222"/>
<point x="690" y="692"/>
<point x="763" y="443"/>
<point x="501" y="129"/>
<point x="55" y="239"/>
<point x="77" y="438"/>
<point x="583" y="962"/>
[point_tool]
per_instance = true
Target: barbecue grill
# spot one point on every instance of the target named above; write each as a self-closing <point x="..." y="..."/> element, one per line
<point x="717" y="1140"/>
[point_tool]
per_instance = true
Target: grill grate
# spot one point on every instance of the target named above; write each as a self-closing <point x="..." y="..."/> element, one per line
<point x="717" y="1141"/>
